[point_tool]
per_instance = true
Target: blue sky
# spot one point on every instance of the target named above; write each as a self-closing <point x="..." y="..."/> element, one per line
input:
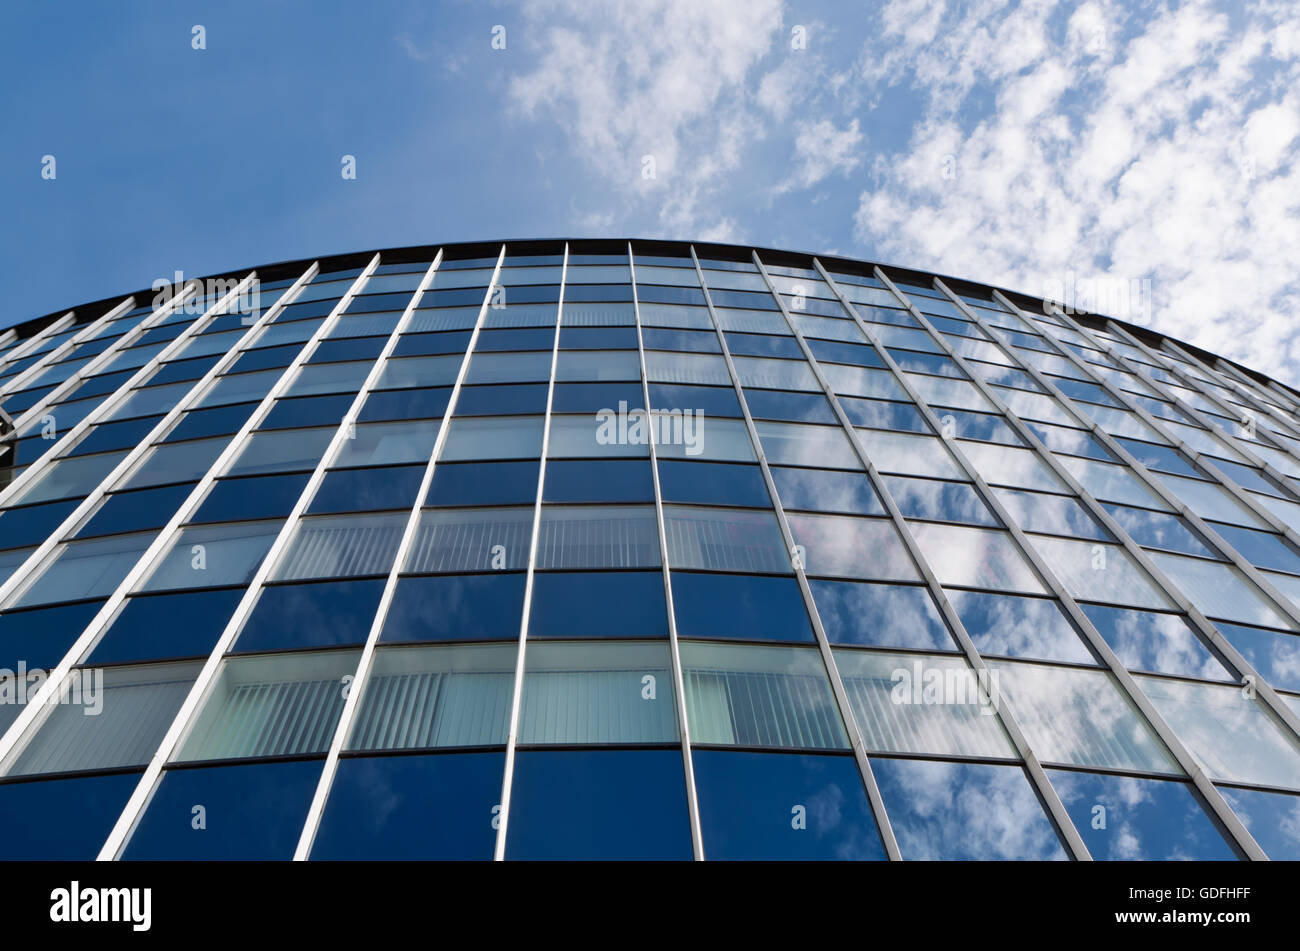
<point x="1140" y="158"/>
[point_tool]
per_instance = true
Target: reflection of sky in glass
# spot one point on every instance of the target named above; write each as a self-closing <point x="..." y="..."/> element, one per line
<point x="1125" y="818"/>
<point x="1080" y="717"/>
<point x="1019" y="627"/>
<point x="964" y="811"/>
<point x="852" y="547"/>
<point x="880" y="615"/>
<point x="1096" y="572"/>
<point x="1234" y="738"/>
<point x="1273" y="820"/>
<point x="781" y="806"/>
<point x="975" y="557"/>
<point x="1160" y="643"/>
<point x="942" y="501"/>
<point x="1037" y="512"/>
<point x="1220" y="590"/>
<point x="1276" y="656"/>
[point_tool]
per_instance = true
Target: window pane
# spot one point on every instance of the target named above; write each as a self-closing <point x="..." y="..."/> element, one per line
<point x="212" y="555"/>
<point x="507" y="437"/>
<point x="341" y="546"/>
<point x="89" y="569"/>
<point x="1233" y="737"/>
<point x="282" y="451"/>
<point x="271" y="705"/>
<point x="1080" y="717"/>
<point x="1094" y="572"/>
<point x="975" y="557"/>
<point x="880" y="615"/>
<point x="1220" y="590"/>
<point x="724" y="539"/>
<point x="965" y="811"/>
<point x="1019" y="627"/>
<point x="851" y="547"/>
<point x="605" y="536"/>
<point x="429" y="697"/>
<point x="597" y="693"/>
<point x="937" y="704"/>
<point x="381" y="444"/>
<point x="909" y="454"/>
<point x="759" y="696"/>
<point x="471" y="540"/>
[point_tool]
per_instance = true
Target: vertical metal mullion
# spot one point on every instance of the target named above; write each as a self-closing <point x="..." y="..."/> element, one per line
<point x="516" y="695"/>
<point x="365" y="663"/>
<point x="679" y="679"/>
<point x="1038" y="778"/>
<point x="207" y="677"/>
<point x="856" y="742"/>
<point x="36" y="561"/>
<point x="1204" y="626"/>
<point x="1246" y="389"/>
<point x="1098" y="643"/>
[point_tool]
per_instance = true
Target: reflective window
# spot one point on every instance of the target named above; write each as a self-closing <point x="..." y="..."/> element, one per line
<point x="1160" y="643"/>
<point x="964" y="811"/>
<point x="1036" y="628"/>
<point x="599" y="604"/>
<point x="743" y="607"/>
<point x="214" y="555"/>
<point x="759" y="697"/>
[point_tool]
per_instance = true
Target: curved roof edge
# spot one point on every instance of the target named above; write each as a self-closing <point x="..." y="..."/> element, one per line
<point x="959" y="285"/>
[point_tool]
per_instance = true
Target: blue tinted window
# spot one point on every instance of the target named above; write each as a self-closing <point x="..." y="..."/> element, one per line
<point x="62" y="819"/>
<point x="852" y="353"/>
<point x="484" y="483"/>
<point x="218" y="421"/>
<point x="1271" y="818"/>
<point x="605" y="604"/>
<point x="881" y="414"/>
<point x="739" y="606"/>
<point x="693" y="341"/>
<point x="599" y="480"/>
<point x="824" y="490"/>
<point x="412" y="808"/>
<point x="455" y="608"/>
<point x="265" y="358"/>
<point x="1144" y="819"/>
<point x="797" y="407"/>
<point x="384" y="405"/>
<point x="132" y="511"/>
<point x="124" y="435"/>
<point x="982" y="426"/>
<point x="1007" y="626"/>
<point x="763" y="345"/>
<point x="940" y="501"/>
<point x="252" y="812"/>
<point x="1162" y="643"/>
<point x="158" y="627"/>
<point x="714" y="483"/>
<point x="525" y="338"/>
<point x="252" y="497"/>
<point x="599" y="804"/>
<point x="307" y="411"/>
<point x="1159" y="530"/>
<point x="432" y="344"/>
<point x="594" y="397"/>
<point x="1275" y="655"/>
<point x="1261" y="548"/>
<point x="785" y="807"/>
<point x="350" y="348"/>
<point x="598" y="338"/>
<point x="322" y="614"/>
<point x="182" y="370"/>
<point x="711" y="400"/>
<point x="880" y="615"/>
<point x="367" y="490"/>
<point x="32" y="524"/>
<point x="42" y="636"/>
<point x="502" y="399"/>
<point x="962" y="811"/>
<point x="1164" y="458"/>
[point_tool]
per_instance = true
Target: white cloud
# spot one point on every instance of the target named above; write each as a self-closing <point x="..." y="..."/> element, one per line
<point x="1163" y="148"/>
<point x="821" y="150"/>
<point x="666" y="79"/>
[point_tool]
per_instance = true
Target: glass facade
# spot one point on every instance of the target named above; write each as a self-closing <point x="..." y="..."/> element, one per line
<point x="646" y="550"/>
